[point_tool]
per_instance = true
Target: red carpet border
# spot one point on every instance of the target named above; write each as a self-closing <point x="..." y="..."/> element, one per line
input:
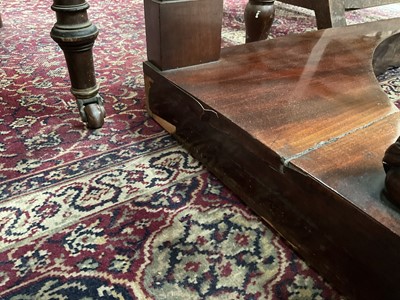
<point x="124" y="212"/>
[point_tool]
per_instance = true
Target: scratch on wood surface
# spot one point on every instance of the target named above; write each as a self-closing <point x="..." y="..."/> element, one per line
<point x="205" y="109"/>
<point x="286" y="161"/>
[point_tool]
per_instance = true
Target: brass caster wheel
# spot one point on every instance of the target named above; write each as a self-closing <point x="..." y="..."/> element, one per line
<point x="95" y="114"/>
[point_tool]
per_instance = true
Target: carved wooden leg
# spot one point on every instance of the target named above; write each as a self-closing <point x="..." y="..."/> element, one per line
<point x="1" y="21"/>
<point x="75" y="34"/>
<point x="391" y="163"/>
<point x="258" y="17"/>
<point x="329" y="13"/>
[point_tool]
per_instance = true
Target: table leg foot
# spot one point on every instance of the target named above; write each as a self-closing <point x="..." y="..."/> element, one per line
<point x="75" y="34"/>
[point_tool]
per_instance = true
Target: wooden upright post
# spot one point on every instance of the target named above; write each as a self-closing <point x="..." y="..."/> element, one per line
<point x="330" y="13"/>
<point x="183" y="33"/>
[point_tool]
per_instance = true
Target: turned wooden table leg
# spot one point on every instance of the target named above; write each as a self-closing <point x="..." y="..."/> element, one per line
<point x="391" y="163"/>
<point x="258" y="18"/>
<point x="75" y="34"/>
<point x="1" y="21"/>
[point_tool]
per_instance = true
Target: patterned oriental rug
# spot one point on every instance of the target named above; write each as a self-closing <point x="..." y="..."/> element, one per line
<point x="124" y="212"/>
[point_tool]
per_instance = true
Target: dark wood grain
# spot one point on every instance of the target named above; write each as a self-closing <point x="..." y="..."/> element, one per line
<point x="258" y="18"/>
<point x="322" y="74"/>
<point x="183" y="33"/>
<point x="298" y="127"/>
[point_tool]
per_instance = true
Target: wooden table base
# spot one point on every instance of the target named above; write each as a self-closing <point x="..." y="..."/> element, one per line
<point x="298" y="127"/>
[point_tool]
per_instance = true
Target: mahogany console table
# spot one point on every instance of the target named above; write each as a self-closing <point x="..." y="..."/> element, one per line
<point x="298" y="127"/>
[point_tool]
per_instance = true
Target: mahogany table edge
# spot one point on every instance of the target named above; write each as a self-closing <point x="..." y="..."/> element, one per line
<point x="358" y="254"/>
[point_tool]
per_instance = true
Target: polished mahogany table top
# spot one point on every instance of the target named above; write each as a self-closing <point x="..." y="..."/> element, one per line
<point x="309" y="115"/>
